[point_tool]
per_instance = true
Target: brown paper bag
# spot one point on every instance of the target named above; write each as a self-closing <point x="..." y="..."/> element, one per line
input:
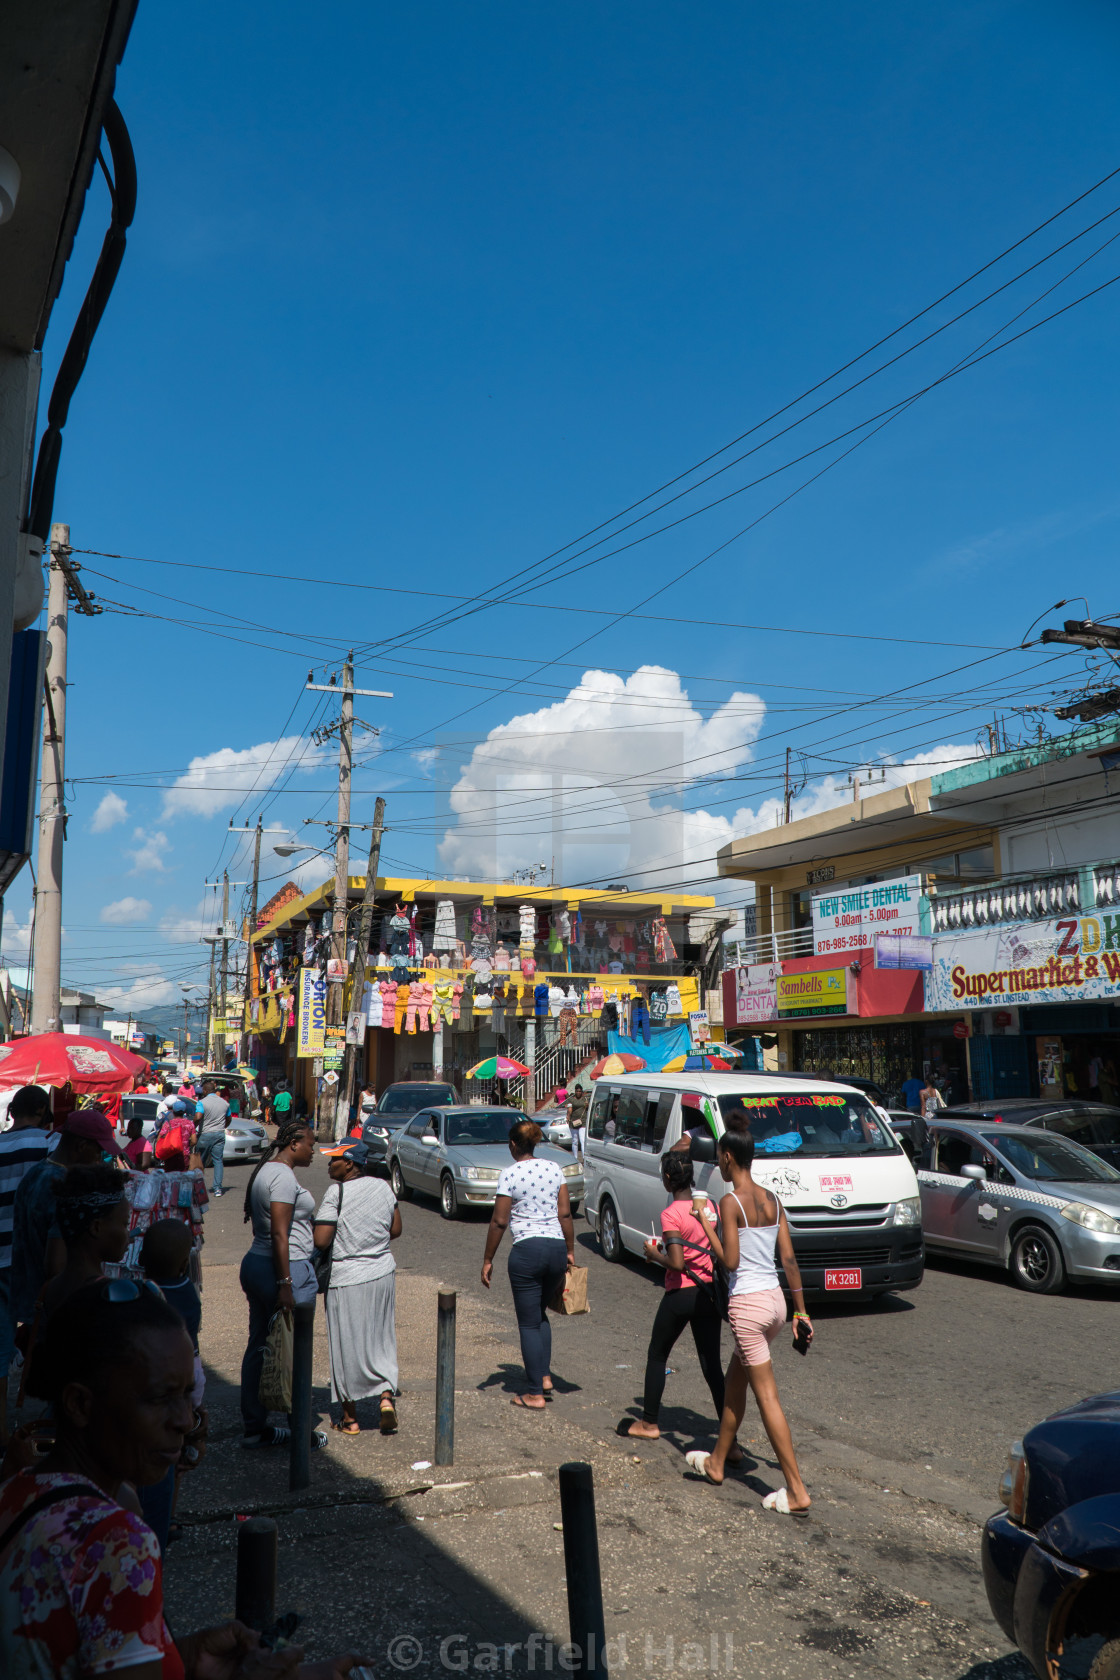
<point x="276" y="1372"/>
<point x="572" y="1297"/>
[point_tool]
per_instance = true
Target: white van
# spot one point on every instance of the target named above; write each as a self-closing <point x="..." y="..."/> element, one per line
<point x="846" y="1184"/>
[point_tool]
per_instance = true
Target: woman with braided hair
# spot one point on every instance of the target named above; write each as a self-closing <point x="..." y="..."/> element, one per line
<point x="92" y="1211"/>
<point x="277" y="1271"/>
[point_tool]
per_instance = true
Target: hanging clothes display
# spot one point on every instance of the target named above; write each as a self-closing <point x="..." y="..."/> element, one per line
<point x="663" y="948"/>
<point x="444" y="936"/>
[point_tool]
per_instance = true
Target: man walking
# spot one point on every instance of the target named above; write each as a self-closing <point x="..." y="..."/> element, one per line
<point x="577" y="1104"/>
<point x="211" y="1143"/>
<point x="20" y="1148"/>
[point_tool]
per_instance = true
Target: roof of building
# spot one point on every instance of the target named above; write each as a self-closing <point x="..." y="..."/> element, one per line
<point x="409" y="890"/>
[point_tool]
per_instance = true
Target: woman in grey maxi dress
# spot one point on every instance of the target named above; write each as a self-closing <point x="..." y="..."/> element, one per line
<point x="360" y="1214"/>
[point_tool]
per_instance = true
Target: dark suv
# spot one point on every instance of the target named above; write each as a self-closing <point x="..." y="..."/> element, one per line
<point x="396" y="1107"/>
<point x="1095" y="1126"/>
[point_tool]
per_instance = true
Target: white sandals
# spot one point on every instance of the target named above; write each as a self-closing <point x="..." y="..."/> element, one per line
<point x="779" y="1501"/>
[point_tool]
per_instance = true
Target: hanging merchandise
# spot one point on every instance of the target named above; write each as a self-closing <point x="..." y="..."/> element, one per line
<point x="658" y="1006"/>
<point x="540" y="1001"/>
<point x="639" y="1020"/>
<point x="527" y="920"/>
<point x="576" y="931"/>
<point x="663" y="948"/>
<point x="569" y="1026"/>
<point x="555" y="1001"/>
<point x="562" y="922"/>
<point x="528" y="966"/>
<point x="399" y="932"/>
<point x="555" y="943"/>
<point x="502" y="958"/>
<point x="673" y="1000"/>
<point x="444" y="936"/>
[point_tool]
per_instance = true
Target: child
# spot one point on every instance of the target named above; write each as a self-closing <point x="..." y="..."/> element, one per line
<point x="138" y="1151"/>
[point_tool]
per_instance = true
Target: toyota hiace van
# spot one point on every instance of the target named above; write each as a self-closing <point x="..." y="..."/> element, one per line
<point x="824" y="1149"/>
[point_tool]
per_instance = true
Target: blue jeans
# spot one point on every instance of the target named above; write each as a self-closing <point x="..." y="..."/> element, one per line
<point x="537" y="1268"/>
<point x="212" y="1147"/>
<point x="258" y="1280"/>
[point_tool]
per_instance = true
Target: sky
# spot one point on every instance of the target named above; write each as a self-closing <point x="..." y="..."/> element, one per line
<point x="418" y="302"/>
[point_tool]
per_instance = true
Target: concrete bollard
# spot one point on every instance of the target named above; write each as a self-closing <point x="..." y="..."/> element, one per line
<point x="256" y="1573"/>
<point x="445" y="1378"/>
<point x="303" y="1339"/>
<point x="586" y="1627"/>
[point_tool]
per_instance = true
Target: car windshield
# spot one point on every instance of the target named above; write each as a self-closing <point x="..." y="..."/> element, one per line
<point x="1052" y="1157"/>
<point x="410" y="1099"/>
<point x="819" y="1123"/>
<point x="1106" y="1126"/>
<point x="483" y="1125"/>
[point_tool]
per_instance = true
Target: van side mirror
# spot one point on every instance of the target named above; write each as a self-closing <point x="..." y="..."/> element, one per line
<point x="702" y="1149"/>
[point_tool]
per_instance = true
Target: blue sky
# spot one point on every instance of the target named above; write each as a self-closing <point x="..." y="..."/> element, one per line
<point x="414" y="298"/>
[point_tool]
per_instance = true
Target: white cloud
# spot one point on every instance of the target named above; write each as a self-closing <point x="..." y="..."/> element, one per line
<point x="595" y="783"/>
<point x="152" y="846"/>
<point x="219" y="780"/>
<point x="146" y="992"/>
<point x="17" y="934"/>
<point x="111" y="811"/>
<point x="123" y="912"/>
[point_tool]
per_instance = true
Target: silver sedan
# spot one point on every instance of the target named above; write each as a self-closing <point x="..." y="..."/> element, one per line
<point x="1039" y="1205"/>
<point x="457" y="1154"/>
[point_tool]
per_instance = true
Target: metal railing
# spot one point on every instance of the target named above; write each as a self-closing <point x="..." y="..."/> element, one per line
<point x="768" y="947"/>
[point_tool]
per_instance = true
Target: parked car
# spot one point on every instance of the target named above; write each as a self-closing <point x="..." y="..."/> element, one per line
<point x="458" y="1154"/>
<point x="902" y="1125"/>
<point x="856" y="1080"/>
<point x="246" y="1140"/>
<point x="556" y="1128"/>
<point x="1095" y="1125"/>
<point x="142" y="1105"/>
<point x="396" y="1107"/>
<point x="1021" y="1198"/>
<point x="1051" y="1556"/>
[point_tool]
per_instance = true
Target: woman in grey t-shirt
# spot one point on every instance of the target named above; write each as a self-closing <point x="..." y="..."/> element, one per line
<point x="358" y="1218"/>
<point x="277" y="1271"/>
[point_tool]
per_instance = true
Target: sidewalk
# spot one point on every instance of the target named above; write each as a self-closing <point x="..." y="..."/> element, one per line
<point x="461" y="1569"/>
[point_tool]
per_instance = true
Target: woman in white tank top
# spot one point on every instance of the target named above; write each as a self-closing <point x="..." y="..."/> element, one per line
<point x="755" y="1237"/>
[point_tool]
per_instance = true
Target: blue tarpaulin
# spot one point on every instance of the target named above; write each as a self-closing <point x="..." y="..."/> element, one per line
<point x="665" y="1043"/>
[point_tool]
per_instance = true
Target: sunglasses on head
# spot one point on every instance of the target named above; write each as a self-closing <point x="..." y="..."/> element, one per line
<point x="119" y="1290"/>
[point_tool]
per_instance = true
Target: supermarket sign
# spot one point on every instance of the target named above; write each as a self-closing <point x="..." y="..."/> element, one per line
<point x="848" y="920"/>
<point x="1068" y="960"/>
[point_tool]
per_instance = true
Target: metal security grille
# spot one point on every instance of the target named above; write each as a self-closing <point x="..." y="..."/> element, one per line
<point x="886" y="1054"/>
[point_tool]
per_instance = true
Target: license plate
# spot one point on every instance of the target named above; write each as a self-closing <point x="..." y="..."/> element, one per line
<point x="850" y="1279"/>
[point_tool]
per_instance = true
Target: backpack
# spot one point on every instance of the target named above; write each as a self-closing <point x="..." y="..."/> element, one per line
<point x="172" y="1140"/>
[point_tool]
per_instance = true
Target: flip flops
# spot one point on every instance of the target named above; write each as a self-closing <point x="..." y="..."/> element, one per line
<point x="388" y="1419"/>
<point x="779" y="1501"/>
<point x="522" y="1405"/>
<point x="698" y="1461"/>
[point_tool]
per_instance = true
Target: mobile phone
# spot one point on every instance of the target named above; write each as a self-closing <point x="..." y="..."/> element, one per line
<point x="801" y="1336"/>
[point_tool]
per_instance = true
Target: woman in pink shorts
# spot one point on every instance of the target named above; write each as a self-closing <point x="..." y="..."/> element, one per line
<point x="755" y="1237"/>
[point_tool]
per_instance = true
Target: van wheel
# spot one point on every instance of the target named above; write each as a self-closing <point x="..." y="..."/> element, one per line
<point x="400" y="1188"/>
<point x="448" y="1200"/>
<point x="1036" y="1261"/>
<point x="610" y="1241"/>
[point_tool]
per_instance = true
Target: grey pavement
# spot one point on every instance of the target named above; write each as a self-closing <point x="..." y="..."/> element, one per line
<point x="902" y="1414"/>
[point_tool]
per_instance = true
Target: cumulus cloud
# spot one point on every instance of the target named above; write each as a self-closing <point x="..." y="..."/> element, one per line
<point x="123" y="912"/>
<point x="219" y="780"/>
<point x="147" y="991"/>
<point x="595" y="786"/>
<point x="596" y="780"/>
<point x="151" y="847"/>
<point x="111" y="811"/>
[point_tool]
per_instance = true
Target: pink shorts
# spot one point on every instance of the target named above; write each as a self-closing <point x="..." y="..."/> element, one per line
<point x="756" y="1320"/>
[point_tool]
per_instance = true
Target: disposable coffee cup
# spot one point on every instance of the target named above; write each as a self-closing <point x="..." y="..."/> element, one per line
<point x="699" y="1200"/>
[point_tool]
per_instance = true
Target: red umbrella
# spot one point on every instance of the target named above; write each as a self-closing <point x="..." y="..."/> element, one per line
<point x="619" y="1061"/>
<point x="90" y="1065"/>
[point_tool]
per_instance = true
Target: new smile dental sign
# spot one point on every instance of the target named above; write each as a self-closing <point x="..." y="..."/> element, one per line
<point x="849" y="919"/>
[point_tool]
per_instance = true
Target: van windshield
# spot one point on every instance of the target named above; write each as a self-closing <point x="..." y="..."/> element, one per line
<point x="818" y="1123"/>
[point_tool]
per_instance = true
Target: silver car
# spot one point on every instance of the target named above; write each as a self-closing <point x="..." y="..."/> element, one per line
<point x="246" y="1140"/>
<point x="457" y="1154"/>
<point x="1039" y="1205"/>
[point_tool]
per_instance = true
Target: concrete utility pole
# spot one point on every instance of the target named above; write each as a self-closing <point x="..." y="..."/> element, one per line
<point x="251" y="969"/>
<point x="207" y="1048"/>
<point x="46" y="1003"/>
<point x="358" y="968"/>
<point x="345" y="727"/>
<point x="220" y="1057"/>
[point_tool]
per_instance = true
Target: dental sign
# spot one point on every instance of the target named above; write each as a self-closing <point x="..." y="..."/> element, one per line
<point x="1070" y="960"/>
<point x="849" y="919"/>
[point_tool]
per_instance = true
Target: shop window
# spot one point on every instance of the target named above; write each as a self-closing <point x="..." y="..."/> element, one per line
<point x="801" y="909"/>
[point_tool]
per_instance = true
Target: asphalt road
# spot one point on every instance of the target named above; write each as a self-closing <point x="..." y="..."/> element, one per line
<point x="945" y="1376"/>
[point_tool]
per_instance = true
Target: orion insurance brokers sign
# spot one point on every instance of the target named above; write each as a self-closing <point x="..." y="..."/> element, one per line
<point x="849" y="919"/>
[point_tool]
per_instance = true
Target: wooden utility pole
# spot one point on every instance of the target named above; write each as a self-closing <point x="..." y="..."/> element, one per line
<point x="220" y="1035"/>
<point x="335" y="991"/>
<point x="789" y="789"/>
<point x="46" y="998"/>
<point x="358" y="967"/>
<point x="210" y="1001"/>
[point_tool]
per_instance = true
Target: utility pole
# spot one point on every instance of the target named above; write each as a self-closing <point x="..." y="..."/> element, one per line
<point x="251" y="969"/>
<point x="358" y="967"/>
<point x="207" y="1052"/>
<point x="63" y="587"/>
<point x="220" y="1057"/>
<point x="345" y="728"/>
<point x="789" y="790"/>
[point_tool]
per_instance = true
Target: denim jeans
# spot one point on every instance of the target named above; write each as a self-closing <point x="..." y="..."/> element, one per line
<point x="212" y="1148"/>
<point x="537" y="1268"/>
<point x="258" y="1280"/>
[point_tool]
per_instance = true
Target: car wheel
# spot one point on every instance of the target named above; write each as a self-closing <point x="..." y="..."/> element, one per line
<point x="610" y="1240"/>
<point x="400" y="1188"/>
<point x="448" y="1200"/>
<point x="1106" y="1663"/>
<point x="1036" y="1261"/>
